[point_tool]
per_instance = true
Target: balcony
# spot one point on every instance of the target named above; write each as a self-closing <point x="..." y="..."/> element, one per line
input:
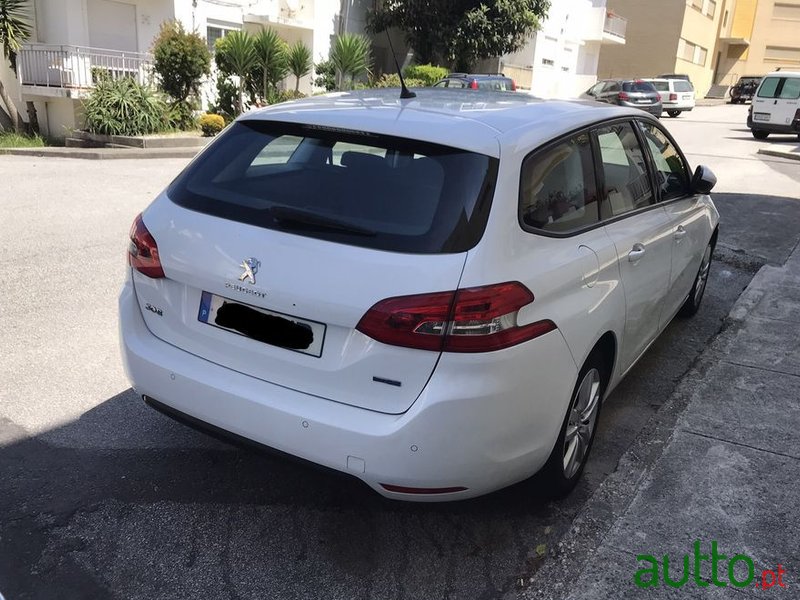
<point x="297" y="14"/>
<point x="614" y="28"/>
<point x="71" y="71"/>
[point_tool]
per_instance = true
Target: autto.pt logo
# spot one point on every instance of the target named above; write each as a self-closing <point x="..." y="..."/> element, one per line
<point x="738" y="571"/>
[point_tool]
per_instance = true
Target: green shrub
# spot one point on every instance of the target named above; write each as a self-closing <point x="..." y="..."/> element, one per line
<point x="124" y="107"/>
<point x="180" y="116"/>
<point x="211" y="125"/>
<point x="429" y="74"/>
<point x="225" y="104"/>
<point x="181" y="60"/>
<point x="284" y="96"/>
<point x="351" y="55"/>
<point x="325" y="75"/>
<point x="16" y="140"/>
<point x="391" y="80"/>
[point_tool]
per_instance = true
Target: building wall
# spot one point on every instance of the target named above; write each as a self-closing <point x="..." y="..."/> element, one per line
<point x="651" y="39"/>
<point x="695" y="54"/>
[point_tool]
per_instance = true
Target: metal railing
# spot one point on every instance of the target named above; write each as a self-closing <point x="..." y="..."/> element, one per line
<point x="615" y="25"/>
<point x="79" y="66"/>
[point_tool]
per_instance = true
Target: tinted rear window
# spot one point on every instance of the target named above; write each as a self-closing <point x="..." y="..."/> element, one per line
<point x="638" y="86"/>
<point x="500" y="85"/>
<point x="682" y="86"/>
<point x="349" y="187"/>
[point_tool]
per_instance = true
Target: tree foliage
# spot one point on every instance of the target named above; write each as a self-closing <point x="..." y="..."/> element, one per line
<point x="325" y="75"/>
<point x="299" y="62"/>
<point x="15" y="28"/>
<point x="460" y="32"/>
<point x="235" y="54"/>
<point x="351" y="55"/>
<point x="271" y="63"/>
<point x="181" y="60"/>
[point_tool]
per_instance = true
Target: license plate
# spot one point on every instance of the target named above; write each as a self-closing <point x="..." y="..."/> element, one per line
<point x="687" y="97"/>
<point x="261" y="325"/>
<point x="760" y="116"/>
<point x="644" y="101"/>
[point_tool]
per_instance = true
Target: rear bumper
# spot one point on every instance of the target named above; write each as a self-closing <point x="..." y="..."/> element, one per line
<point x="685" y="107"/>
<point x="772" y="127"/>
<point x="482" y="422"/>
<point x="653" y="109"/>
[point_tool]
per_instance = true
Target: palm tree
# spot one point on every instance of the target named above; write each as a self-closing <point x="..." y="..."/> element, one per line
<point x="270" y="59"/>
<point x="352" y="56"/>
<point x="240" y="56"/>
<point x="14" y="30"/>
<point x="299" y="58"/>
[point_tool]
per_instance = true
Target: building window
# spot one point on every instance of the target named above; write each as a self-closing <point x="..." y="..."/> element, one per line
<point x="711" y="9"/>
<point x="786" y="11"/>
<point x="782" y="54"/>
<point x="692" y="52"/>
<point x="215" y="32"/>
<point x="548" y="62"/>
<point x="725" y="19"/>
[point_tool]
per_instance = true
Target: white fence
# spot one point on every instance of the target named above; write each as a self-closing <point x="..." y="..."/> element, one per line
<point x="78" y="66"/>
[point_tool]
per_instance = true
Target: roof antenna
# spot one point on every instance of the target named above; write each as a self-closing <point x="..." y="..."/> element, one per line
<point x="404" y="91"/>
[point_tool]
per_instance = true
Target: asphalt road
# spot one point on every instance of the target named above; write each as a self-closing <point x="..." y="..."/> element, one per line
<point x="100" y="497"/>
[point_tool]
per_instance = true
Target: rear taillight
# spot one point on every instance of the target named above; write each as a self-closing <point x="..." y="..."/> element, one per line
<point x="673" y="97"/>
<point x="513" y="86"/>
<point x="473" y="85"/>
<point x="143" y="251"/>
<point x="479" y="319"/>
<point x="624" y="96"/>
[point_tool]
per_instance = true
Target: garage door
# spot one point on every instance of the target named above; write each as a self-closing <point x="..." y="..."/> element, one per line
<point x="112" y="25"/>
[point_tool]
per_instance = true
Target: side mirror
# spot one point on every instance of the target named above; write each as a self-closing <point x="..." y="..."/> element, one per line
<point x="703" y="180"/>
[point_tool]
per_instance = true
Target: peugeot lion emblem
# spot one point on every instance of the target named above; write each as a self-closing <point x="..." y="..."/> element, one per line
<point x="250" y="266"/>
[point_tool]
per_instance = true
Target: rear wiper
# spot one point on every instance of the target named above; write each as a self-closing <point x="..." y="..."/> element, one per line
<point x="288" y="216"/>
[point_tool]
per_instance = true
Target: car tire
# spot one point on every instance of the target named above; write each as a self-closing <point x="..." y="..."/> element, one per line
<point x="760" y="134"/>
<point x="571" y="452"/>
<point x="673" y="113"/>
<point x="692" y="304"/>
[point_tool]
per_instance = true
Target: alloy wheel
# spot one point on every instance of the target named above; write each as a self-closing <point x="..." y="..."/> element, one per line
<point x="582" y="420"/>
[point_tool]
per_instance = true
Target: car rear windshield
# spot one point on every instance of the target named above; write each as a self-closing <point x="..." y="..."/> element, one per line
<point x="638" y="86"/>
<point x="786" y="88"/>
<point x="350" y="187"/>
<point x="682" y="86"/>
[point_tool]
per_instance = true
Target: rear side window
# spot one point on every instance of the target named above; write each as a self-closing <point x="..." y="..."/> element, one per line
<point x="671" y="172"/>
<point x="682" y="86"/>
<point x="557" y="190"/>
<point x="638" y="86"/>
<point x="627" y="183"/>
<point x="350" y="187"/>
<point x="661" y="86"/>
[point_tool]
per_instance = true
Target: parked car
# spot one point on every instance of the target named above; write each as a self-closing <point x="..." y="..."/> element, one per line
<point x="496" y="82"/>
<point x="434" y="297"/>
<point x="776" y="105"/>
<point x="677" y="95"/>
<point x="632" y="93"/>
<point x="743" y="89"/>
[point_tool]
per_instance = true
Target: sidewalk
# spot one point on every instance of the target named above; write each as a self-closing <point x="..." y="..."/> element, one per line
<point x="720" y="462"/>
<point x="790" y="150"/>
<point x="103" y="153"/>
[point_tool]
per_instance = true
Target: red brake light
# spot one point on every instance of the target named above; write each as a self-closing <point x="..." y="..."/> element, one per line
<point x="624" y="96"/>
<point x="513" y="86"/>
<point x="673" y="97"/>
<point x="473" y="85"/>
<point x="480" y="319"/>
<point x="143" y="251"/>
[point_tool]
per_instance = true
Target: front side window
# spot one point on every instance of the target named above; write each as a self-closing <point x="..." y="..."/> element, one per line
<point x="672" y="175"/>
<point x="627" y="183"/>
<point x="350" y="187"/>
<point x="557" y="189"/>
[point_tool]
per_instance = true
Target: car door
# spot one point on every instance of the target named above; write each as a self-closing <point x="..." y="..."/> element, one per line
<point x="611" y="92"/>
<point x="776" y="101"/>
<point x="689" y="224"/>
<point x="640" y="231"/>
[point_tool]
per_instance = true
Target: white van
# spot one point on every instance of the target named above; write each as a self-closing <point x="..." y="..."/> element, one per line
<point x="776" y="105"/>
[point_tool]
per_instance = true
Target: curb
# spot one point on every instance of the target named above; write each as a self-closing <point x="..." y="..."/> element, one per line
<point x="780" y="153"/>
<point x="102" y="153"/>
<point x="612" y="499"/>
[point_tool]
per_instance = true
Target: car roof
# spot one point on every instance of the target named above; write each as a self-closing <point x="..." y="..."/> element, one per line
<point x="783" y="74"/>
<point x="651" y="79"/>
<point x="476" y="76"/>
<point x="467" y="119"/>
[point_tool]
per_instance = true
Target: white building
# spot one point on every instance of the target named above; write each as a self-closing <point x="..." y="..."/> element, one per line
<point x="560" y="60"/>
<point x="71" y="37"/>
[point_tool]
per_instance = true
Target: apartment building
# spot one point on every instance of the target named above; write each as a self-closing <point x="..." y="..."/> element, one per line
<point x="756" y="37"/>
<point x="665" y="36"/>
<point x="72" y="37"/>
<point x="560" y="60"/>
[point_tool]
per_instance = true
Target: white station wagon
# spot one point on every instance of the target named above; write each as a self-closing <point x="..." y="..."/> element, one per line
<point x="431" y="294"/>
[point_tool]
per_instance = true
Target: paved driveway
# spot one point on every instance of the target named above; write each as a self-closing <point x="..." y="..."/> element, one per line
<point x="103" y="498"/>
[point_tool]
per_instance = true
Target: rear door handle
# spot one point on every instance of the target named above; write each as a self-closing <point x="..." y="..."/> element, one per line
<point x="636" y="253"/>
<point x="680" y="233"/>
